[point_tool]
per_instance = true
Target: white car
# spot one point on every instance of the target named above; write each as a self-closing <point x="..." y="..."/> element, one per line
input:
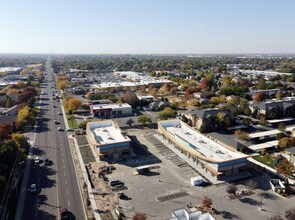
<point x="60" y="129"/>
<point x="89" y="117"/>
<point x="33" y="188"/>
<point x="37" y="160"/>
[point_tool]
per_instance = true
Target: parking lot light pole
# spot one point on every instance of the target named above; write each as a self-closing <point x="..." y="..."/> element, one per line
<point x="260" y="205"/>
<point x="159" y="175"/>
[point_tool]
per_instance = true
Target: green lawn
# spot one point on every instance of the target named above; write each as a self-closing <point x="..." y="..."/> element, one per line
<point x="72" y="122"/>
<point x="268" y="162"/>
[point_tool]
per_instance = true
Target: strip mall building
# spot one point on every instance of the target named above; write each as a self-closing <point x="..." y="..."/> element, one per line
<point x="221" y="161"/>
<point x="107" y="140"/>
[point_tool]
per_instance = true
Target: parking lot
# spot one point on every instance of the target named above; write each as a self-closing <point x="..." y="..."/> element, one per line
<point x="168" y="187"/>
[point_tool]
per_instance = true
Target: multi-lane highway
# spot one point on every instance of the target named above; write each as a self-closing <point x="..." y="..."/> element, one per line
<point x="57" y="183"/>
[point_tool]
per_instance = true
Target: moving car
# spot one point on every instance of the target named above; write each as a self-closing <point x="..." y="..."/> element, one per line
<point x="56" y="122"/>
<point x="60" y="129"/>
<point x="59" y="113"/>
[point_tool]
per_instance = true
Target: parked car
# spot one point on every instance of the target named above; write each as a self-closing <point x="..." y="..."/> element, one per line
<point x="64" y="214"/>
<point x="59" y="113"/>
<point x="33" y="188"/>
<point x="70" y="129"/>
<point x="47" y="162"/>
<point x="37" y="160"/>
<point x="114" y="183"/>
<point x="89" y="117"/>
<point x="56" y="122"/>
<point x="60" y="129"/>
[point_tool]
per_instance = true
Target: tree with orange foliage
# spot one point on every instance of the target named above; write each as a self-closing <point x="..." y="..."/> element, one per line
<point x="259" y="96"/>
<point x="5" y="129"/>
<point x="139" y="216"/>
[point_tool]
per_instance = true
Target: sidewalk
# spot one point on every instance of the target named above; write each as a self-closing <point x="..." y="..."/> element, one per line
<point x="80" y="168"/>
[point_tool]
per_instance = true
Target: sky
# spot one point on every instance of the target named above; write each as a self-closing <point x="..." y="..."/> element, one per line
<point x="147" y="26"/>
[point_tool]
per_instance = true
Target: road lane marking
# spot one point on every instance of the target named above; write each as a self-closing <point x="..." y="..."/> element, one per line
<point x="68" y="204"/>
<point x="65" y="174"/>
<point x="67" y="192"/>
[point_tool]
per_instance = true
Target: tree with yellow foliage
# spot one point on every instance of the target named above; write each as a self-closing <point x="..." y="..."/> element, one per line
<point x="73" y="104"/>
<point x="26" y="116"/>
<point x="62" y="85"/>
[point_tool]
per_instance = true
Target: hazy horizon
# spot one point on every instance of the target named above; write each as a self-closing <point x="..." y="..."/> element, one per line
<point x="115" y="27"/>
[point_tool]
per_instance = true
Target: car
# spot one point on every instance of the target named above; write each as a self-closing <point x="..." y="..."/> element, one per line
<point x="60" y="129"/>
<point x="33" y="188"/>
<point x="69" y="130"/>
<point x="54" y="106"/>
<point x="64" y="214"/>
<point x="114" y="183"/>
<point x="89" y="117"/>
<point x="59" y="113"/>
<point x="37" y="160"/>
<point x="47" y="162"/>
<point x="56" y="122"/>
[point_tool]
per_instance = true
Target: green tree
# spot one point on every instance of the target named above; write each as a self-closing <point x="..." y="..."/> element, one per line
<point x="285" y="168"/>
<point x="282" y="127"/>
<point x="144" y="119"/>
<point x="130" y="122"/>
<point x="167" y="113"/>
<point x="174" y="105"/>
<point x="83" y="124"/>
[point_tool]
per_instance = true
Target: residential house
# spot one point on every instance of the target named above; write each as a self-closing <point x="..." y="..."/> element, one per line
<point x="158" y="105"/>
<point x="198" y="117"/>
<point x="275" y="109"/>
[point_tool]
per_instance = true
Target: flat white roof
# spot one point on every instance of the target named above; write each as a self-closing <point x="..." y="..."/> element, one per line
<point x="290" y="128"/>
<point x="258" y="72"/>
<point x="7" y="69"/>
<point x="127" y="83"/>
<point x="199" y="142"/>
<point x="106" y="133"/>
<point x="269" y="144"/>
<point x="112" y="106"/>
<point x="279" y="120"/>
<point x="264" y="133"/>
<point x="268" y="133"/>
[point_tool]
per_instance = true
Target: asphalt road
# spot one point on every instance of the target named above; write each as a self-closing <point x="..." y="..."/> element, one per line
<point x="57" y="183"/>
